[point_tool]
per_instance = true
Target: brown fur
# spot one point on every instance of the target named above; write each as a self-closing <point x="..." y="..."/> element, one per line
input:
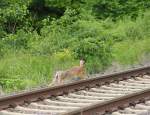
<point x="77" y="71"/>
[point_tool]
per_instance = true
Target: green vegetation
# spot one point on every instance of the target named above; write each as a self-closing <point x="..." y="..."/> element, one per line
<point x="126" y="53"/>
<point x="39" y="37"/>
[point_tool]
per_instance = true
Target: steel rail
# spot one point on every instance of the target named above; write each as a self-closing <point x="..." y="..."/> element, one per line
<point x="43" y="93"/>
<point x="113" y="105"/>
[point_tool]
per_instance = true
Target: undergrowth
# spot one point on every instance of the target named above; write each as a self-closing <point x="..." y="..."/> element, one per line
<point x="40" y="37"/>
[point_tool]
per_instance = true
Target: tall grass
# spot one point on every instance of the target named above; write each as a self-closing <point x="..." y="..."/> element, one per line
<point x="134" y="40"/>
<point x="131" y="52"/>
<point x="24" y="71"/>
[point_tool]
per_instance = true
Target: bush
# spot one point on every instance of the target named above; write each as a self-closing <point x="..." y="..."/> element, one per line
<point x="119" y="8"/>
<point x="13" y="15"/>
<point x="21" y="40"/>
<point x="86" y="39"/>
<point x="128" y="29"/>
<point x="1" y="49"/>
<point x="96" y="52"/>
<point x="63" y="60"/>
<point x="94" y="65"/>
<point x="39" y="37"/>
<point x="128" y="54"/>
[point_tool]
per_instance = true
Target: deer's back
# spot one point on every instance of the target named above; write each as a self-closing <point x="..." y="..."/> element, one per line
<point x="75" y="71"/>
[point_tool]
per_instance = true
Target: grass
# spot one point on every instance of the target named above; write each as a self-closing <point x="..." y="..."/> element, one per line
<point x="131" y="51"/>
<point x="24" y="71"/>
<point x="20" y="71"/>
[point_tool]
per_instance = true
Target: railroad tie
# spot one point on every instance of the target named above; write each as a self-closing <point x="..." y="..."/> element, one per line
<point x="64" y="103"/>
<point x="118" y="113"/>
<point x="142" y="106"/>
<point x="134" y="84"/>
<point x="136" y="111"/>
<point x="146" y="76"/>
<point x="50" y="107"/>
<point x="87" y="97"/>
<point x="110" y="91"/>
<point x="37" y="111"/>
<point x="147" y="103"/>
<point x="140" y="82"/>
<point x="4" y="112"/>
<point x="78" y="100"/>
<point x="142" y="79"/>
<point x="127" y="86"/>
<point x="106" y="94"/>
<point x="117" y="88"/>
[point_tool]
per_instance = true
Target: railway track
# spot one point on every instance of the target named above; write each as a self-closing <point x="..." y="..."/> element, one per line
<point x="142" y="108"/>
<point x="94" y="96"/>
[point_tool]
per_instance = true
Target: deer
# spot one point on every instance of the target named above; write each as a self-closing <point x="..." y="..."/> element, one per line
<point x="74" y="72"/>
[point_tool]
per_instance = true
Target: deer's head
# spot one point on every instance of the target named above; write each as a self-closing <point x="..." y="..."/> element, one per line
<point x="82" y="62"/>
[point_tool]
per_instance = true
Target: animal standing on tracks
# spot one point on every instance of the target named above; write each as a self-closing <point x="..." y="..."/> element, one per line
<point x="73" y="73"/>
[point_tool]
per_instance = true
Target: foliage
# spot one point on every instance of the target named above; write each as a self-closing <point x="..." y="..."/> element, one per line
<point x="39" y="37"/>
<point x="13" y="15"/>
<point x="23" y="71"/>
<point x="135" y="52"/>
<point x="90" y="48"/>
<point x="1" y="49"/>
<point x="119" y="8"/>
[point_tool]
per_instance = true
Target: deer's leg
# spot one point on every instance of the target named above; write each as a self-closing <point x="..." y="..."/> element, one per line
<point x="54" y="80"/>
<point x="82" y="76"/>
<point x="60" y="79"/>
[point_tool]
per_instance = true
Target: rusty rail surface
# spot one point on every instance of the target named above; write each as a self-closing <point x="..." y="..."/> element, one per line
<point x="43" y="93"/>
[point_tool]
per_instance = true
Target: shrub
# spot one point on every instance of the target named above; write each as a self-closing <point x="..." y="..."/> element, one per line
<point x="1" y="49"/>
<point x="119" y="8"/>
<point x="13" y="16"/>
<point x="21" y="40"/>
<point x="94" y="65"/>
<point x="94" y="48"/>
<point x="128" y="54"/>
<point x="38" y="37"/>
